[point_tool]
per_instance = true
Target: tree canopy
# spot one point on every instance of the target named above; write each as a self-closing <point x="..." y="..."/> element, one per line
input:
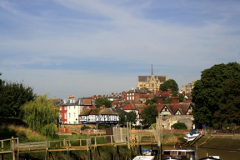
<point x="12" y="96"/>
<point x="229" y="110"/>
<point x="41" y="114"/>
<point x="172" y="84"/>
<point x="131" y="117"/>
<point x="103" y="101"/>
<point x="149" y="114"/>
<point x="208" y="91"/>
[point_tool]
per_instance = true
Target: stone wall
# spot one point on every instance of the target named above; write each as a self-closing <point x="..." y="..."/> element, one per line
<point x="168" y="121"/>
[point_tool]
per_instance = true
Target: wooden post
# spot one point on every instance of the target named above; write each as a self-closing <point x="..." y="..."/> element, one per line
<point x="2" y="145"/>
<point x="46" y="155"/>
<point x="29" y="146"/>
<point x="95" y="141"/>
<point x="111" y="139"/>
<point x="13" y="148"/>
<point x="121" y="134"/>
<point x="64" y="142"/>
<point x="80" y="142"/>
<point x="17" y="148"/>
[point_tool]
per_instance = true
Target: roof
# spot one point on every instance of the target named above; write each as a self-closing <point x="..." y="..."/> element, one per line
<point x="182" y="107"/>
<point x="103" y="111"/>
<point x="144" y="78"/>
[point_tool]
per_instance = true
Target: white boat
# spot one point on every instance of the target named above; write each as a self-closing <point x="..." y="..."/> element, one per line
<point x="179" y="154"/>
<point x="192" y="135"/>
<point x="146" y="155"/>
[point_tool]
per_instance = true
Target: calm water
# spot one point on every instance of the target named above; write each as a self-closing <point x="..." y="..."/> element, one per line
<point x="202" y="152"/>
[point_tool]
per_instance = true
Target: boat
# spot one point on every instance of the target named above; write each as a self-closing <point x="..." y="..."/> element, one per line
<point x="146" y="155"/>
<point x="211" y="158"/>
<point x="192" y="135"/>
<point x="179" y="154"/>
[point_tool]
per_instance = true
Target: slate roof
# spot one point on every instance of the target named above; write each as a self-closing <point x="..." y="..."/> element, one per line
<point x="102" y="111"/>
<point x="144" y="78"/>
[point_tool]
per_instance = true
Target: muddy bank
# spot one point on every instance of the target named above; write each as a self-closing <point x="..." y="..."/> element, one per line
<point x="226" y="142"/>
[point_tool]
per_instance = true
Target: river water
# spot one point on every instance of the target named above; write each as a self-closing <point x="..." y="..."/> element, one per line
<point x="202" y="152"/>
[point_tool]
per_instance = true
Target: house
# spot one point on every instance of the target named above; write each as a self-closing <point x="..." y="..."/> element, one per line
<point x="137" y="108"/>
<point x="70" y="108"/>
<point x="100" y="115"/>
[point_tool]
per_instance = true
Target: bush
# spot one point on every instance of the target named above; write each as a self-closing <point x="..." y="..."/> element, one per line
<point x="48" y="130"/>
<point x="153" y="126"/>
<point x="179" y="126"/>
<point x="103" y="126"/>
<point x="216" y="125"/>
<point x="233" y="125"/>
<point x="85" y="127"/>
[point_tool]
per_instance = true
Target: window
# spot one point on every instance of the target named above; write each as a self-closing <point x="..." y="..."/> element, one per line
<point x="127" y="98"/>
<point x="60" y="108"/>
<point x="69" y="107"/>
<point x="132" y="98"/>
<point x="74" y="115"/>
<point x="74" y="107"/>
<point x="65" y="108"/>
<point x="69" y="115"/>
<point x="165" y="109"/>
<point x="65" y="115"/>
<point x="60" y="115"/>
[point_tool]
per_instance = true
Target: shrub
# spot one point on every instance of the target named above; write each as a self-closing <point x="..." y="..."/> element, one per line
<point x="216" y="125"/>
<point x="85" y="127"/>
<point x="233" y="125"/>
<point x="48" y="130"/>
<point x="153" y="126"/>
<point x="179" y="126"/>
<point x="103" y="126"/>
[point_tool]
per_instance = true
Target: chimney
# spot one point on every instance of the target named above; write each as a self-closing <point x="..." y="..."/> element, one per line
<point x="187" y="100"/>
<point x="159" y="100"/>
<point x="175" y="99"/>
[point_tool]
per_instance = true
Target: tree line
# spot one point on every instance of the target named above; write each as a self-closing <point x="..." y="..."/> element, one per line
<point x="37" y="111"/>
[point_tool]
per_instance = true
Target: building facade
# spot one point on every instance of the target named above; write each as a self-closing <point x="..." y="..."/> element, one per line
<point x="152" y="83"/>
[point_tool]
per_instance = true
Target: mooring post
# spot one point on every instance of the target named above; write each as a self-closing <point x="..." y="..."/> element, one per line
<point x="13" y="148"/>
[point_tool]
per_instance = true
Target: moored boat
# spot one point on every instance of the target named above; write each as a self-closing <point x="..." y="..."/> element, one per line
<point x="180" y="154"/>
<point x="192" y="135"/>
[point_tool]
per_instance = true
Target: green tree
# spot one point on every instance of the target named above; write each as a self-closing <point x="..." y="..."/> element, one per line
<point x="229" y="110"/>
<point x="172" y="84"/>
<point x="103" y="101"/>
<point x="181" y="98"/>
<point x="12" y="96"/>
<point x="41" y="115"/>
<point x="149" y="114"/>
<point x="208" y="91"/>
<point x="151" y="101"/>
<point x="167" y="100"/>
<point x="131" y="117"/>
<point x="122" y="119"/>
<point x="179" y="126"/>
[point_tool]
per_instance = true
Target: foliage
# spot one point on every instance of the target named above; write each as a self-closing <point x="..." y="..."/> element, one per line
<point x="139" y="101"/>
<point x="229" y="109"/>
<point x="175" y="94"/>
<point x="103" y="101"/>
<point x="153" y="126"/>
<point x="151" y="101"/>
<point x="12" y="97"/>
<point x="179" y="126"/>
<point x="167" y="100"/>
<point x="172" y="84"/>
<point x="181" y="98"/>
<point x="103" y="126"/>
<point x="149" y="114"/>
<point x="208" y="91"/>
<point x="216" y="125"/>
<point x="41" y="115"/>
<point x="233" y="125"/>
<point x="122" y="119"/>
<point x="131" y="117"/>
<point x="85" y="127"/>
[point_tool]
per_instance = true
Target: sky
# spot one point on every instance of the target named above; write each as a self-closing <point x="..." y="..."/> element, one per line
<point x="64" y="47"/>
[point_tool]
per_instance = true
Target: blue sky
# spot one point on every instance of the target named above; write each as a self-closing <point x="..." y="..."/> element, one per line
<point x="64" y="47"/>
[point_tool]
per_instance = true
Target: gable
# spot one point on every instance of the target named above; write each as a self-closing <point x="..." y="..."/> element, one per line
<point x="91" y="113"/>
<point x="178" y="112"/>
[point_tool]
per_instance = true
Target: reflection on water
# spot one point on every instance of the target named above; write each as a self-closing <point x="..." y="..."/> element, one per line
<point x="202" y="152"/>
